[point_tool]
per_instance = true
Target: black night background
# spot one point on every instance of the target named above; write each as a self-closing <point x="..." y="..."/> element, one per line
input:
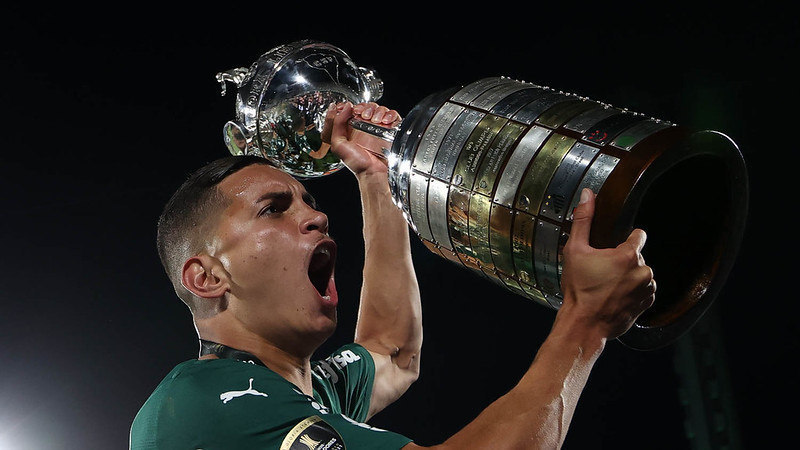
<point x="104" y="114"/>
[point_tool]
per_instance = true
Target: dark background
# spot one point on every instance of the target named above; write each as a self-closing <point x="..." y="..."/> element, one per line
<point x="106" y="111"/>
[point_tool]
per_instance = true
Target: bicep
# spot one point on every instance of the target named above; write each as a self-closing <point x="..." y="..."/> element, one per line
<point x="391" y="381"/>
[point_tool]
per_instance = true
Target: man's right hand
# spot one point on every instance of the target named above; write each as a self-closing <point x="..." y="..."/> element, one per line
<point x="604" y="288"/>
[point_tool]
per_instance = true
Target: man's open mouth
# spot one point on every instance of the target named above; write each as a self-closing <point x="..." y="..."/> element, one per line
<point x="320" y="268"/>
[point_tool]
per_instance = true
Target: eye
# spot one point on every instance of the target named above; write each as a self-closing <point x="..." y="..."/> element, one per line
<point x="273" y="208"/>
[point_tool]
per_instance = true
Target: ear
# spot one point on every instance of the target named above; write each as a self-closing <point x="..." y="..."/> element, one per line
<point x="204" y="276"/>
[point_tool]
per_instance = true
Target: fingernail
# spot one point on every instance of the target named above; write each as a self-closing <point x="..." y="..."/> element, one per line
<point x="586" y="194"/>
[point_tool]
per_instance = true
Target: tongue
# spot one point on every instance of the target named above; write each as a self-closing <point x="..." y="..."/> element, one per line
<point x="332" y="297"/>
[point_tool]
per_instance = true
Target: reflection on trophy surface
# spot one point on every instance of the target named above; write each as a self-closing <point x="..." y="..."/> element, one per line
<point x="488" y="173"/>
<point x="282" y="100"/>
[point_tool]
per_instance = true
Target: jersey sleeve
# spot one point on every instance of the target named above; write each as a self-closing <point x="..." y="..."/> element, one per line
<point x="344" y="380"/>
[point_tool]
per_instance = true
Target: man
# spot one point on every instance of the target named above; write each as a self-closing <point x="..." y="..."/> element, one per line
<point x="249" y="253"/>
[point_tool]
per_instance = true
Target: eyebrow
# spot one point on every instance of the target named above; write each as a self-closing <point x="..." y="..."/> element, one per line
<point x="287" y="195"/>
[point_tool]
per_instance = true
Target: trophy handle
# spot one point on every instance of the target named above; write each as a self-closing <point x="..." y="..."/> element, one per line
<point x="235" y="76"/>
<point x="385" y="134"/>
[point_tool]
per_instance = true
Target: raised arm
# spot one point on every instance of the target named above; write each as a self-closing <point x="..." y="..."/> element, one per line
<point x="605" y="290"/>
<point x="389" y="320"/>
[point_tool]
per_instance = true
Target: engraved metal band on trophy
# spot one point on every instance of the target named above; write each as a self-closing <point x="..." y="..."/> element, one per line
<point x="437" y="212"/>
<point x="495" y="157"/>
<point x="458" y="216"/>
<point x="628" y="138"/>
<point x="479" y="210"/>
<point x="409" y="136"/>
<point x="453" y="141"/>
<point x="434" y="134"/>
<point x="560" y="113"/>
<point x="418" y="204"/>
<point x="608" y="128"/>
<point x="517" y="164"/>
<point x="522" y="250"/>
<point x="489" y="98"/>
<point x="468" y="93"/>
<point x="545" y="257"/>
<point x="582" y="122"/>
<point x="500" y="226"/>
<point x="530" y="112"/>
<point x="474" y="148"/>
<point x="540" y="172"/>
<point x="423" y="161"/>
<point x="565" y="181"/>
<point x="508" y="106"/>
<point x="594" y="178"/>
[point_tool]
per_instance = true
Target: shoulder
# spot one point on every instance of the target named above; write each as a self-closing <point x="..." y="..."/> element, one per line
<point x="346" y="358"/>
<point x="211" y="400"/>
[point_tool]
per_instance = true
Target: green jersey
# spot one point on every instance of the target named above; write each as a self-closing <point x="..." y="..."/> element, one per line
<point x="234" y="404"/>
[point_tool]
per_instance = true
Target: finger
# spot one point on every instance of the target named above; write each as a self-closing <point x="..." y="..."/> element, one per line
<point x="378" y="113"/>
<point x="340" y="128"/>
<point x="391" y="117"/>
<point x="637" y="239"/>
<point x="327" y="128"/>
<point x="582" y="218"/>
<point x="367" y="110"/>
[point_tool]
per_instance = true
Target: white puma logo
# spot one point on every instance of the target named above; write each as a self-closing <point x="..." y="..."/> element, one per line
<point x="228" y="396"/>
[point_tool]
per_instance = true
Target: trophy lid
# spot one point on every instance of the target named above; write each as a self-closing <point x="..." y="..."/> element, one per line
<point x="282" y="99"/>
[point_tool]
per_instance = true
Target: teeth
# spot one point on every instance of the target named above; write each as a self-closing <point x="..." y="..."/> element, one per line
<point x="327" y="298"/>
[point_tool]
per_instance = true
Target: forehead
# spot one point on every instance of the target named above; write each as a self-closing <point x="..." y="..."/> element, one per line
<point x="249" y="183"/>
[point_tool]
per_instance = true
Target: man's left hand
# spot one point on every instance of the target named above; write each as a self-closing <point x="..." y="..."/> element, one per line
<point x="360" y="152"/>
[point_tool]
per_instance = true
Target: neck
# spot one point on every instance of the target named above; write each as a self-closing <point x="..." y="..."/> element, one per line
<point x="294" y="367"/>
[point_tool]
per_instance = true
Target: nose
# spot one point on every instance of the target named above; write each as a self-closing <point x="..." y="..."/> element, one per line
<point x="316" y="220"/>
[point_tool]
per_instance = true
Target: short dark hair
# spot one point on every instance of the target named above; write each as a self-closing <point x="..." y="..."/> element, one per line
<point x="190" y="213"/>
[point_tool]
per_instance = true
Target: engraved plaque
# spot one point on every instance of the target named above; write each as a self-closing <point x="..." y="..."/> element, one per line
<point x="472" y="90"/>
<point x="500" y="221"/>
<point x="633" y="135"/>
<point x="541" y="171"/>
<point x="522" y="247"/>
<point x="565" y="181"/>
<point x="530" y="112"/>
<point x="492" y="96"/>
<point x="605" y="130"/>
<point x="429" y="145"/>
<point x="557" y="115"/>
<point x="437" y="212"/>
<point x="469" y="161"/>
<point x="458" y="219"/>
<point x="508" y="106"/>
<point x="479" y="208"/>
<point x="588" y="119"/>
<point x="453" y="142"/>
<point x="546" y="260"/>
<point x="418" y="205"/>
<point x="496" y="156"/>
<point x="594" y="178"/>
<point x="518" y="164"/>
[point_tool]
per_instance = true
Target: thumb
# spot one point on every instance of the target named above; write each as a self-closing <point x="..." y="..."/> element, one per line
<point x="340" y="127"/>
<point x="582" y="218"/>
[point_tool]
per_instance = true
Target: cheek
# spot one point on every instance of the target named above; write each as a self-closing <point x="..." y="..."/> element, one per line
<point x="270" y="256"/>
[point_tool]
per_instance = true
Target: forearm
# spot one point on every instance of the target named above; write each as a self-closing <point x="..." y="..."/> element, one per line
<point x="389" y="318"/>
<point x="537" y="412"/>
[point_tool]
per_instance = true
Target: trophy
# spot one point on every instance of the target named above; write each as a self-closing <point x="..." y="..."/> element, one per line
<point x="487" y="174"/>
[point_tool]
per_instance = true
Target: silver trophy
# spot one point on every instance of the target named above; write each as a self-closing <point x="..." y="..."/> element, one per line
<point x="281" y="103"/>
<point x="487" y="174"/>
